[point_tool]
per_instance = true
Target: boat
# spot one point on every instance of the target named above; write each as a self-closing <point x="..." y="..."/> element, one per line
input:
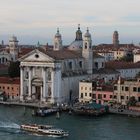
<point x="44" y="130"/>
<point x="91" y="109"/>
<point x="44" y="112"/>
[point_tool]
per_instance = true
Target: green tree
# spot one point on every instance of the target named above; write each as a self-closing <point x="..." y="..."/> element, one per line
<point x="14" y="69"/>
<point x="127" y="58"/>
<point x="132" y="101"/>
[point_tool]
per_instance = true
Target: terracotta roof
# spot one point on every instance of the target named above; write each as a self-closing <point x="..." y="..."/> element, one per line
<point x="24" y="51"/>
<point x="121" y="65"/>
<point x="105" y="71"/>
<point x="7" y="80"/>
<point x="62" y="54"/>
<point x="111" y="47"/>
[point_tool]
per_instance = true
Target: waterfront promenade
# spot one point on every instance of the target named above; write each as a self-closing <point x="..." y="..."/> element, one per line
<point x="124" y="112"/>
<point x="33" y="105"/>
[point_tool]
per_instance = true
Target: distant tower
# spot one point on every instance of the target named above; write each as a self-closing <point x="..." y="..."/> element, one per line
<point x="115" y="38"/>
<point x="2" y="43"/>
<point x="13" y="47"/>
<point x="78" y="34"/>
<point x="87" y="52"/>
<point x="57" y="41"/>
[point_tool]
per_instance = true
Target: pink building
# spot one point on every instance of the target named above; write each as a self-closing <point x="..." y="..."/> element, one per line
<point x="103" y="97"/>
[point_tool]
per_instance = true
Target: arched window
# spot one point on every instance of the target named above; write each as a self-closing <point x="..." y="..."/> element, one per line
<point x="80" y="64"/>
<point x="86" y="45"/>
<point x="70" y="65"/>
<point x="2" y="59"/>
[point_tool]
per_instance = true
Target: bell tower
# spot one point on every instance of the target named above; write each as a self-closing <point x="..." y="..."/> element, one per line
<point x="13" y="47"/>
<point x="57" y="41"/>
<point x="115" y="38"/>
<point x="87" y="52"/>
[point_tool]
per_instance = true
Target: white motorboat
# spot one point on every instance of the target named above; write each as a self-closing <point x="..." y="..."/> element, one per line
<point x="44" y="130"/>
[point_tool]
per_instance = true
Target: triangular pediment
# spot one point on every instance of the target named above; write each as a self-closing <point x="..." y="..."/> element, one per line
<point x="36" y="56"/>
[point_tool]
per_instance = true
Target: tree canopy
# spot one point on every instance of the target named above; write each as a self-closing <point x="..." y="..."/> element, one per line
<point x="14" y="69"/>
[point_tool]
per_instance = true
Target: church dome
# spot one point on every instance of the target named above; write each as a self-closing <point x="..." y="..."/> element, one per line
<point x="78" y="34"/>
<point x="76" y="45"/>
<point x="87" y="34"/>
<point x="13" y="39"/>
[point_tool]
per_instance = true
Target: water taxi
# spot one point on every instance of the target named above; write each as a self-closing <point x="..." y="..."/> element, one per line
<point x="44" y="130"/>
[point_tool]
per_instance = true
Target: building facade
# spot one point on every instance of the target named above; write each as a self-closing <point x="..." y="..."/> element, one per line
<point x="94" y="90"/>
<point x="125" y="89"/>
<point x="10" y="87"/>
<point x="53" y="75"/>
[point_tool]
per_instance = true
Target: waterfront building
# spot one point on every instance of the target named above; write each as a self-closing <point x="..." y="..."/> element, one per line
<point x="53" y="74"/>
<point x="95" y="90"/>
<point x="124" y="89"/>
<point x="10" y="87"/>
<point x="127" y="70"/>
<point x="115" y="51"/>
<point x="9" y="52"/>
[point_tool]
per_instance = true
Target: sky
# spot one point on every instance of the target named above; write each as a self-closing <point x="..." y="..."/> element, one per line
<point x="37" y="20"/>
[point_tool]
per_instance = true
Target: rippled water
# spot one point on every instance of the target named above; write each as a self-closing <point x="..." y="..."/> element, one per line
<point x="109" y="127"/>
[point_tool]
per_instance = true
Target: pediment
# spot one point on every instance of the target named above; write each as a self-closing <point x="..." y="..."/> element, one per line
<point x="36" y="56"/>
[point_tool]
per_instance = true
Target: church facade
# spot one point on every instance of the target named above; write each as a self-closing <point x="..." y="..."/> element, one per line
<point x="53" y="75"/>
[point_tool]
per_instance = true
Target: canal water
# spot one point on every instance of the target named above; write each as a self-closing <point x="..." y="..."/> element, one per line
<point x="109" y="127"/>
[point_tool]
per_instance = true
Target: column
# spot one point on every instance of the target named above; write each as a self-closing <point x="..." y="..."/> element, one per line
<point x="41" y="94"/>
<point x="29" y="84"/>
<point x="44" y="84"/>
<point x="52" y="85"/>
<point x="21" y="83"/>
<point x="56" y="85"/>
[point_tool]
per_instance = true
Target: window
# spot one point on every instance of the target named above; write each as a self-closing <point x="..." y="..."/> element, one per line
<point x="138" y="89"/>
<point x="80" y="64"/>
<point x="85" y="45"/>
<point x="104" y="96"/>
<point x="12" y="88"/>
<point x="94" y="96"/>
<point x="96" y="65"/>
<point x="115" y="87"/>
<point x="110" y="96"/>
<point x="7" y="87"/>
<point x="122" y="88"/>
<point x="134" y="89"/>
<point x="99" y="96"/>
<point x="89" y="94"/>
<point x="70" y="65"/>
<point x="122" y="97"/>
<point x="85" y="88"/>
<point x="3" y="87"/>
<point x="81" y="88"/>
<point x="126" y="88"/>
<point x="115" y="97"/>
<point x="85" y="94"/>
<point x="81" y="95"/>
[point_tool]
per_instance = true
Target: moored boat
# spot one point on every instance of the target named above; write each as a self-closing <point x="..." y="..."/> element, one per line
<point x="44" y="130"/>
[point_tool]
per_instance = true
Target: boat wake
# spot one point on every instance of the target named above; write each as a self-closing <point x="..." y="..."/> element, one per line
<point x="9" y="125"/>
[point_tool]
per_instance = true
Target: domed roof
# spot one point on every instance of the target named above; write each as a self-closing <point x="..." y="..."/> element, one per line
<point x="115" y="32"/>
<point x="76" y="45"/>
<point x="13" y="39"/>
<point x="57" y="34"/>
<point x="78" y="34"/>
<point x="87" y="34"/>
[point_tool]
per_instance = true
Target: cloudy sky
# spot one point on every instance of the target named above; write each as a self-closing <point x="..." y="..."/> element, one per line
<point x="37" y="20"/>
